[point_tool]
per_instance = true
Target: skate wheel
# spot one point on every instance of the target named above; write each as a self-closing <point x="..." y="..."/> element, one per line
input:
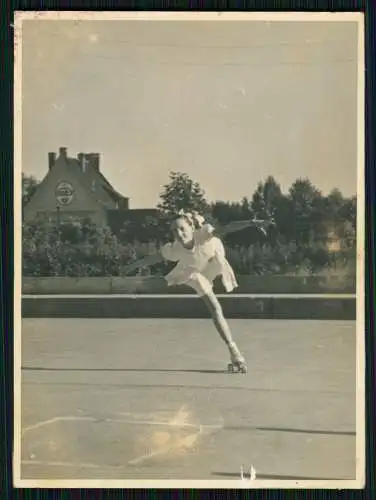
<point x="230" y="368"/>
<point x="239" y="368"/>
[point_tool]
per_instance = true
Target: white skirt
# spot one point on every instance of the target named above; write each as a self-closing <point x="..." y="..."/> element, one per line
<point x="202" y="281"/>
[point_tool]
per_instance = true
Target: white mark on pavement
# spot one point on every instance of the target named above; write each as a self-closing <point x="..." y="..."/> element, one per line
<point x="173" y="437"/>
<point x="162" y="443"/>
<point x="69" y="464"/>
<point x="171" y="444"/>
<point x="57" y="419"/>
<point x="54" y="420"/>
<point x="59" y="108"/>
<point x="119" y="421"/>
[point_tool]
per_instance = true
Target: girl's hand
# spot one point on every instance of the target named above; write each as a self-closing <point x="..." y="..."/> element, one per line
<point x="235" y="226"/>
<point x="263" y="225"/>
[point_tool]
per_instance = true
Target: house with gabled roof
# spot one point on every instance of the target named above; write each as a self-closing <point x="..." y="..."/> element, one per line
<point x="75" y="189"/>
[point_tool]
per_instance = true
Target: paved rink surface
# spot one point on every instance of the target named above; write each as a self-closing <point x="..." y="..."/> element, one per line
<point x="150" y="399"/>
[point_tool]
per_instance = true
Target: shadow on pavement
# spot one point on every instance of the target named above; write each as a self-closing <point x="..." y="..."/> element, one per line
<point x="152" y="370"/>
<point x="236" y="475"/>
<point x="293" y="431"/>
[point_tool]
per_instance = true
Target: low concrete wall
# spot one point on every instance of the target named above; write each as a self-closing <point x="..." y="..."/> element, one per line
<point x="157" y="285"/>
<point x="322" y="307"/>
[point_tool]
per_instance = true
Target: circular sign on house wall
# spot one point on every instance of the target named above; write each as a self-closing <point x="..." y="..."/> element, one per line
<point x="64" y="193"/>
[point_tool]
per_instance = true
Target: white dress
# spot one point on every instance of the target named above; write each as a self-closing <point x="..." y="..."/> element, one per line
<point x="199" y="267"/>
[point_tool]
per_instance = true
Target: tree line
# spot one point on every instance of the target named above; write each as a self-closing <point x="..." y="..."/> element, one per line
<point x="314" y="233"/>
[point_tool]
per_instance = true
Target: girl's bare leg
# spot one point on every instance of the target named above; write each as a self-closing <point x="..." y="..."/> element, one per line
<point x="220" y="323"/>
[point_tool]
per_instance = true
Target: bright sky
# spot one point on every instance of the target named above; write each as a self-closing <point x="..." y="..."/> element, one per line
<point x="229" y="103"/>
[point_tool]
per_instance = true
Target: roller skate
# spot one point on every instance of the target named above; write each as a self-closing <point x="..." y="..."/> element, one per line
<point x="237" y="363"/>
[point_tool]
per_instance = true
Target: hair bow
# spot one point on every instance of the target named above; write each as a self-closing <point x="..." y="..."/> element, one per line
<point x="194" y="218"/>
<point x="199" y="219"/>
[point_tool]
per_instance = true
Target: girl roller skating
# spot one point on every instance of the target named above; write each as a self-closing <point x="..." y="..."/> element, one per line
<point x="200" y="258"/>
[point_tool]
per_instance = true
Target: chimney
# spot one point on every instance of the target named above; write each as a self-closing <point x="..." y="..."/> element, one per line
<point x="81" y="160"/>
<point x="94" y="160"/>
<point x="124" y="204"/>
<point x="51" y="160"/>
<point x="63" y="152"/>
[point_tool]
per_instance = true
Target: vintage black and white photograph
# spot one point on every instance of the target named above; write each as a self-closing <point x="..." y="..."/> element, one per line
<point x="189" y="197"/>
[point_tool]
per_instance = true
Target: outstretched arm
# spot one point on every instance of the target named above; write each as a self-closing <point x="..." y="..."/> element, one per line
<point x="147" y="261"/>
<point x="235" y="226"/>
